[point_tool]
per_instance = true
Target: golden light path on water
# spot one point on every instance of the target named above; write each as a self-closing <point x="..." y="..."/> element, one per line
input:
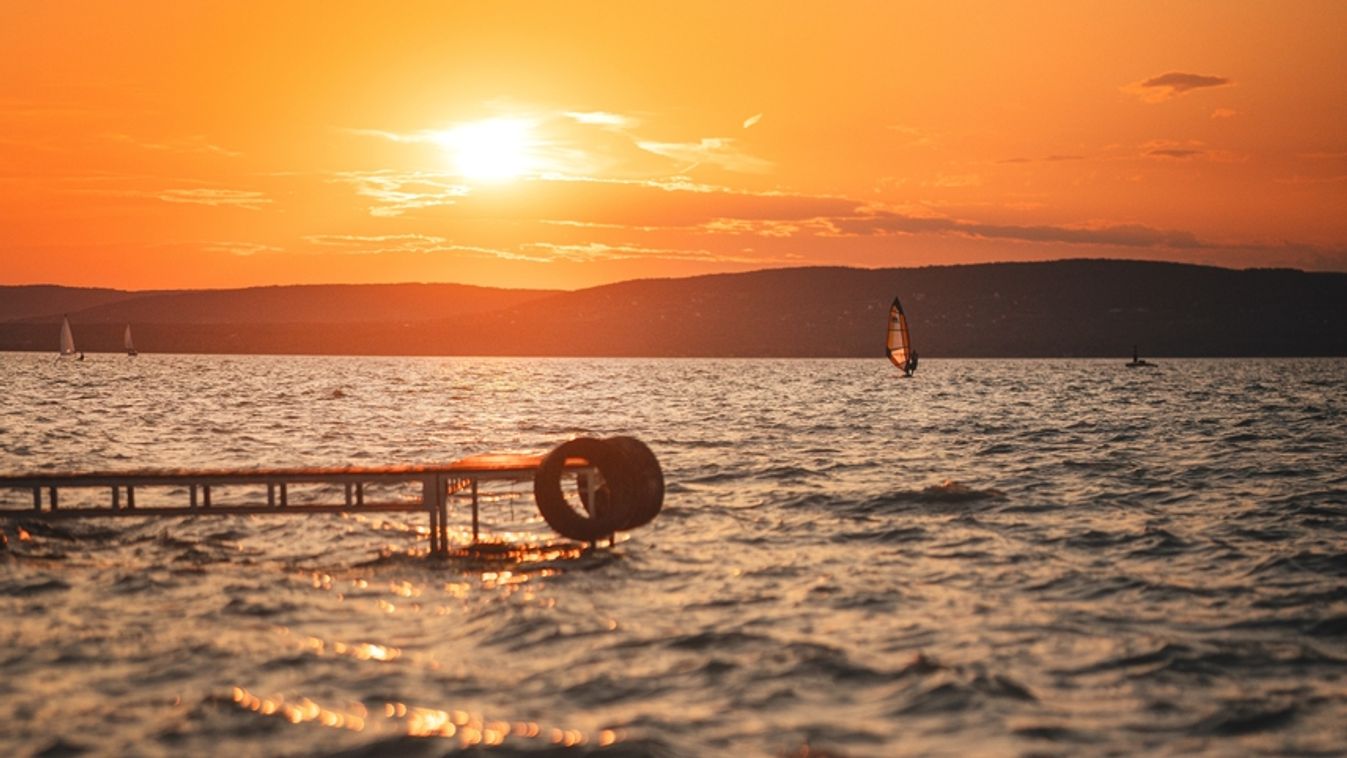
<point x="466" y="727"/>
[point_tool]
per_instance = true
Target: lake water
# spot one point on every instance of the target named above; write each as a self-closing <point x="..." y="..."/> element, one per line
<point x="994" y="557"/>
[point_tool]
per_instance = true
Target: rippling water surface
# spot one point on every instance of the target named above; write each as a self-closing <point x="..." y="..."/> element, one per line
<point x="1024" y="557"/>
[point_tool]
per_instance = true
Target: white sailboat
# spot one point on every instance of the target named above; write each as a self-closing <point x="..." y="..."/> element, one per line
<point x="127" y="343"/>
<point x="68" y="340"/>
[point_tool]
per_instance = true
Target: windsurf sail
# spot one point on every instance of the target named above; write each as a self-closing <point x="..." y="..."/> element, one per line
<point x="67" y="337"/>
<point x="899" y="342"/>
<point x="126" y="341"/>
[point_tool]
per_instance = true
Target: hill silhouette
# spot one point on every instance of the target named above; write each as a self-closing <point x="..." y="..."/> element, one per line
<point x="1053" y="309"/>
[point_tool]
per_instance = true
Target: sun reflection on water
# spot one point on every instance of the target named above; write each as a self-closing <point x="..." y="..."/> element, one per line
<point x="468" y="728"/>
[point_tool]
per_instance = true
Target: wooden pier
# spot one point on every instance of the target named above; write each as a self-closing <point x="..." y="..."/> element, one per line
<point x="602" y="482"/>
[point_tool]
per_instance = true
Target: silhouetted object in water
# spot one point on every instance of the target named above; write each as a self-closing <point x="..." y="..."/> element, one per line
<point x="898" y="342"/>
<point x="1136" y="361"/>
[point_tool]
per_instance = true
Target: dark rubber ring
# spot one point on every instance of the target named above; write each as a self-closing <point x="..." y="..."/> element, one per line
<point x="611" y="462"/>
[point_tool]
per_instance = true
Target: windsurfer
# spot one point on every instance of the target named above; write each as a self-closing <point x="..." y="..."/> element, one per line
<point x="910" y="367"/>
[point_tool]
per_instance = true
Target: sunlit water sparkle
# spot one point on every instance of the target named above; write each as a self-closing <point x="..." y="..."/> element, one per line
<point x="1005" y="557"/>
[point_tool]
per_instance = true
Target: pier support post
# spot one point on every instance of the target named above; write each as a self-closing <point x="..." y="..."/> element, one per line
<point x="474" y="511"/>
<point x="430" y="498"/>
<point x="442" y="505"/>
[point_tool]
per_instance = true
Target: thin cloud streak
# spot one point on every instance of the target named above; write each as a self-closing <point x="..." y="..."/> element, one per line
<point x="418" y="244"/>
<point x="716" y="151"/>
<point x="196" y="143"/>
<point x="398" y="192"/>
<point x="598" y="251"/>
<point x="601" y="118"/>
<point x="1119" y="235"/>
<point x="241" y="249"/>
<point x="219" y="198"/>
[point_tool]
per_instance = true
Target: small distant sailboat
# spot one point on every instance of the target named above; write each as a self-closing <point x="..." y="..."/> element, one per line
<point x="127" y="343"/>
<point x="68" y="341"/>
<point x="899" y="342"/>
<point x="1136" y="361"/>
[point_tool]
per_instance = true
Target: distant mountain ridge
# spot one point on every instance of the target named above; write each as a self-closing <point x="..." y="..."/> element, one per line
<point x="293" y="304"/>
<point x="1053" y="309"/>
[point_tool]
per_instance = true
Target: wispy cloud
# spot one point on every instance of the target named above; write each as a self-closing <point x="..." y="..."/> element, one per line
<point x="1164" y="87"/>
<point x="397" y="192"/>
<point x="381" y="243"/>
<point x="1300" y="179"/>
<point x="1174" y="152"/>
<point x="1191" y="149"/>
<point x="582" y="144"/>
<point x="601" y="118"/>
<point x="219" y="198"/>
<point x="715" y="151"/>
<point x="1121" y="235"/>
<point x="912" y="136"/>
<point x="598" y="251"/>
<point x="242" y="249"/>
<point x="767" y="228"/>
<point x="416" y="244"/>
<point x="1045" y="159"/>
<point x="420" y="136"/>
<point x="949" y="181"/>
<point x="196" y="143"/>
<point x="1224" y="113"/>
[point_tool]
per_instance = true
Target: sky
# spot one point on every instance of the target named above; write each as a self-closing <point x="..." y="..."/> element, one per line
<point x="148" y="145"/>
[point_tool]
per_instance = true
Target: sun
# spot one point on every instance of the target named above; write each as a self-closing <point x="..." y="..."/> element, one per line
<point x="492" y="150"/>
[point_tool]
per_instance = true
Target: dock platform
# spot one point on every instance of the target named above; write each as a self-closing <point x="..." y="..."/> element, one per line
<point x="601" y="485"/>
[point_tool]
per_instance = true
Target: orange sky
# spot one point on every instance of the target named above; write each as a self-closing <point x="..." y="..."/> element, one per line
<point x="215" y="144"/>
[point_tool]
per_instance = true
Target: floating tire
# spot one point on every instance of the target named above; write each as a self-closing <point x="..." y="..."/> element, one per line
<point x="609" y="513"/>
<point x="647" y="481"/>
<point x="647" y="478"/>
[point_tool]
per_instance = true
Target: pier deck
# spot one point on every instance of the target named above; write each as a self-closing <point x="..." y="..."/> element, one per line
<point x="437" y="483"/>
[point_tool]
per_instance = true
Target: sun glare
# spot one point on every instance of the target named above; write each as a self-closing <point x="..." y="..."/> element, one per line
<point x="493" y="150"/>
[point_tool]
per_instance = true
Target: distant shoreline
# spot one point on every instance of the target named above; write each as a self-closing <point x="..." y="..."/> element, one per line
<point x="1069" y="308"/>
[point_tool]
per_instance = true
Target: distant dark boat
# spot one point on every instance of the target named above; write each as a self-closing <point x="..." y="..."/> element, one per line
<point x="899" y="340"/>
<point x="1136" y="361"/>
<point x="127" y="343"/>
